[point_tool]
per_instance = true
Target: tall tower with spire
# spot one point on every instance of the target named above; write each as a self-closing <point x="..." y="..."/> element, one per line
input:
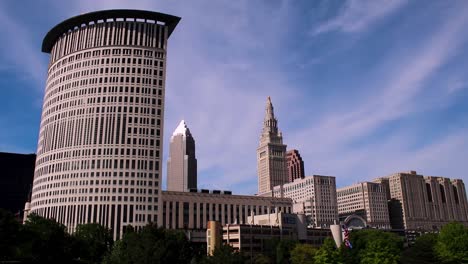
<point x="182" y="163"/>
<point x="271" y="154"/>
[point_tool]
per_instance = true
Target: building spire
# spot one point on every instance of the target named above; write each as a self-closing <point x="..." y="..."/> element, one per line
<point x="270" y="122"/>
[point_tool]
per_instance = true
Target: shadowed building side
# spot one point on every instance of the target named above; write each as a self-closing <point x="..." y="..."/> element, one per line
<point x="295" y="165"/>
<point x="16" y="176"/>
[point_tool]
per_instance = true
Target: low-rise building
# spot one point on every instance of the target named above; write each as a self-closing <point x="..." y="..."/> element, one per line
<point x="255" y="237"/>
<point x="192" y="210"/>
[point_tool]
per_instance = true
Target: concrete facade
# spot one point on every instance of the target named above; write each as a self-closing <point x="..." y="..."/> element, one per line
<point x="367" y="200"/>
<point x="182" y="162"/>
<point x="252" y="239"/>
<point x="100" y="139"/>
<point x="314" y="196"/>
<point x="192" y="210"/>
<point x="426" y="203"/>
<point x="271" y="154"/>
<point x="295" y="165"/>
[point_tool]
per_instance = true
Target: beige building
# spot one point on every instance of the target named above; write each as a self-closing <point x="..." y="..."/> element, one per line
<point x="213" y="236"/>
<point x="182" y="163"/>
<point x="427" y="203"/>
<point x="192" y="210"/>
<point x="254" y="238"/>
<point x="315" y="196"/>
<point x="271" y="154"/>
<point x="100" y="138"/>
<point x="367" y="200"/>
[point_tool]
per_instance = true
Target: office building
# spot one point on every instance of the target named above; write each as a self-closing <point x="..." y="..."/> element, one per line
<point x="425" y="203"/>
<point x="16" y="176"/>
<point x="363" y="205"/>
<point x="295" y="165"/>
<point x="271" y="154"/>
<point x="182" y="163"/>
<point x="100" y="138"/>
<point x="314" y="196"/>
<point x="253" y="238"/>
<point x="192" y="210"/>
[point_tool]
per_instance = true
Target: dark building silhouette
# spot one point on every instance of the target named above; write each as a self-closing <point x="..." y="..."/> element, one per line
<point x="16" y="177"/>
<point x="295" y="165"/>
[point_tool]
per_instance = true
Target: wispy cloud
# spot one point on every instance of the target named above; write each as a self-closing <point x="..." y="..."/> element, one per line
<point x="358" y="15"/>
<point x="225" y="57"/>
<point x="401" y="85"/>
<point x="19" y="51"/>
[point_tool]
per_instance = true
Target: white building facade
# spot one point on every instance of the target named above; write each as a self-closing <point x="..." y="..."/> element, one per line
<point x="315" y="196"/>
<point x="100" y="139"/>
<point x="367" y="200"/>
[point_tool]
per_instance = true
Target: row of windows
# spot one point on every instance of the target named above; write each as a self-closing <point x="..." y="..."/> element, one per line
<point x="116" y="33"/>
<point x="102" y="63"/>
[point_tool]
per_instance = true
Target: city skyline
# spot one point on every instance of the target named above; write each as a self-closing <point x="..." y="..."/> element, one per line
<point x="363" y="124"/>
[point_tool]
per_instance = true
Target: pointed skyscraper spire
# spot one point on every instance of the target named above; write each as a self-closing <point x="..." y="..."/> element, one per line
<point x="182" y="129"/>
<point x="270" y="122"/>
<point x="182" y="163"/>
<point x="271" y="153"/>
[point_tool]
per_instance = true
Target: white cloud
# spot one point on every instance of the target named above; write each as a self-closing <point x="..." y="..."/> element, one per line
<point x="396" y="95"/>
<point x="358" y="15"/>
<point x="19" y="52"/>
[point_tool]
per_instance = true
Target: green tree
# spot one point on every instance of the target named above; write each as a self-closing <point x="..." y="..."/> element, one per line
<point x="366" y="242"/>
<point x="303" y="254"/>
<point x="151" y="245"/>
<point x="225" y="254"/>
<point x="379" y="252"/>
<point x="261" y="259"/>
<point x="452" y="244"/>
<point x="94" y="242"/>
<point x="422" y="252"/>
<point x="9" y="231"/>
<point x="328" y="253"/>
<point x="45" y="241"/>
<point x="283" y="250"/>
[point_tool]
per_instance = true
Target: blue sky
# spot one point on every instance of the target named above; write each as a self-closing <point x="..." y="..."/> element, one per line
<point x="362" y="88"/>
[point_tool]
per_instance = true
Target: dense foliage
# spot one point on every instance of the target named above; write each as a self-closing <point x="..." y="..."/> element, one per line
<point x="42" y="240"/>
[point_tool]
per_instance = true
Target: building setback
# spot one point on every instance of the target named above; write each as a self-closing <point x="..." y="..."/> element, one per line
<point x="295" y="165"/>
<point x="367" y="200"/>
<point x="425" y="203"/>
<point x="182" y="163"/>
<point x="314" y="196"/>
<point x="271" y="154"/>
<point x="99" y="150"/>
<point x="16" y="176"/>
<point x="192" y="210"/>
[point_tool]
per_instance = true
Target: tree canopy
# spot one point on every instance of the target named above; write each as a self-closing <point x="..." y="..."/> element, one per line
<point x="452" y="244"/>
<point x="42" y="240"/>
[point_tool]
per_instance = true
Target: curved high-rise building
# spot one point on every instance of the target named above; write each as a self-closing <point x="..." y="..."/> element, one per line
<point x="100" y="140"/>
